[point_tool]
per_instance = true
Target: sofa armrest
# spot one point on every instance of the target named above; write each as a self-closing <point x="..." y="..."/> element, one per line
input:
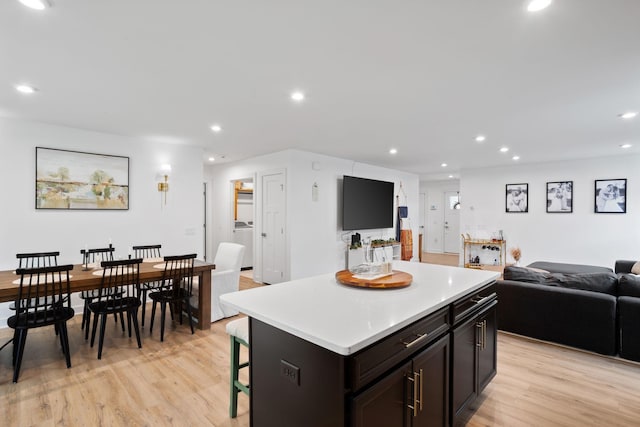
<point x="624" y="266"/>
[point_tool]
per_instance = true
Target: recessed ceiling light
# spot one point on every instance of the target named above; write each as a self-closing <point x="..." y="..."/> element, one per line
<point x="216" y="128"/>
<point x="450" y="176"/>
<point x="393" y="151"/>
<point x="626" y="145"/>
<point x="480" y="138"/>
<point x="536" y="5"/>
<point x="504" y="149"/>
<point x="297" y="96"/>
<point x="36" y="4"/>
<point x="628" y="115"/>
<point x="444" y="165"/>
<point x="211" y="159"/>
<point x="26" y="89"/>
<point x="516" y="157"/>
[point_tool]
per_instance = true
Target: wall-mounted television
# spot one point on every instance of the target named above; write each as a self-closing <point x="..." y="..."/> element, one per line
<point x="366" y="203"/>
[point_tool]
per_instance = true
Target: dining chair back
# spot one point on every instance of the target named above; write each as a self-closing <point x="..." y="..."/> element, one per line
<point x="225" y="278"/>
<point x="176" y="289"/>
<point x="97" y="254"/>
<point x="147" y="252"/>
<point x="43" y="298"/>
<point x="118" y="293"/>
<point x="37" y="259"/>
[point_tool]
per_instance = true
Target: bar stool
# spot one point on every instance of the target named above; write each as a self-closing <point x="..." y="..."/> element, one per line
<point x="239" y="331"/>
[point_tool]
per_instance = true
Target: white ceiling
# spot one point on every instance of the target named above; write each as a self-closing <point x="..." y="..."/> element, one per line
<point x="424" y="76"/>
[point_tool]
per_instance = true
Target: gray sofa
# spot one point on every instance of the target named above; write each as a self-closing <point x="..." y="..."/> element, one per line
<point x="583" y="306"/>
<point x="574" y="305"/>
<point x="628" y="311"/>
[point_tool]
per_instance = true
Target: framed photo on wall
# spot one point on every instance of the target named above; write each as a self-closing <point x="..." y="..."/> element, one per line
<point x="560" y="197"/>
<point x="75" y="180"/>
<point x="610" y="196"/>
<point x="517" y="198"/>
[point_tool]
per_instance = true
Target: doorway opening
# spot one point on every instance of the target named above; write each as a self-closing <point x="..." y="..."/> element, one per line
<point x="243" y="219"/>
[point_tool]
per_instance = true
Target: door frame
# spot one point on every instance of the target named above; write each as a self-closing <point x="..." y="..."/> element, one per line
<point x="445" y="208"/>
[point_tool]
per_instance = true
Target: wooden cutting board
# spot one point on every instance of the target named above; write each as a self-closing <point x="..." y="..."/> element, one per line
<point x="398" y="279"/>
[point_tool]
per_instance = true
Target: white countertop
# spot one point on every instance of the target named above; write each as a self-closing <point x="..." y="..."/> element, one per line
<point x="346" y="319"/>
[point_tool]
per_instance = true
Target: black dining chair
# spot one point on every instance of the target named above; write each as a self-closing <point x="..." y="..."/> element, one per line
<point x="34" y="260"/>
<point x="43" y="300"/>
<point x="119" y="292"/>
<point x="176" y="289"/>
<point x="92" y="256"/>
<point x="147" y="252"/>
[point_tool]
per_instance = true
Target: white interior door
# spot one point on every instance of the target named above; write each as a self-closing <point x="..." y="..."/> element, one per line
<point x="451" y="224"/>
<point x="273" y="228"/>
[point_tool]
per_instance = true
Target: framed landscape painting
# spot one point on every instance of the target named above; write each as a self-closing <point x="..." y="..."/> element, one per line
<point x="611" y="196"/>
<point x="517" y="198"/>
<point x="560" y="197"/>
<point x="76" y="180"/>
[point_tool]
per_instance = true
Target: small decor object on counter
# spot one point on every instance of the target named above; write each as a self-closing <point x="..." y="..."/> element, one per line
<point x="611" y="196"/>
<point x="517" y="198"/>
<point x="515" y="254"/>
<point x="560" y="197"/>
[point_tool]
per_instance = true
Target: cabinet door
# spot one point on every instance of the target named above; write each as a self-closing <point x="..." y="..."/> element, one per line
<point x="385" y="403"/>
<point x="464" y="368"/>
<point x="487" y="351"/>
<point x="432" y="371"/>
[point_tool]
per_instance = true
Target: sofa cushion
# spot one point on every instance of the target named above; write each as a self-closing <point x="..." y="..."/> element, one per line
<point x="525" y="274"/>
<point x="560" y="267"/>
<point x="635" y="269"/>
<point x="629" y="285"/>
<point x="606" y="283"/>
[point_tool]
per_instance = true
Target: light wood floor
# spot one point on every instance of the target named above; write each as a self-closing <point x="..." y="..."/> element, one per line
<point x="442" y="259"/>
<point x="185" y="381"/>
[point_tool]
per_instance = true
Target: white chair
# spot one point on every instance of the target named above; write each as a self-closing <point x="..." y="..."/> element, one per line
<point x="224" y="279"/>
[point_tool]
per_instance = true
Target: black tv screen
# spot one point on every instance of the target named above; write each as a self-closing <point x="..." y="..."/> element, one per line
<point x="366" y="203"/>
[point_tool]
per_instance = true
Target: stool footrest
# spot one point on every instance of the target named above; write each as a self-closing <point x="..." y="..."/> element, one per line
<point x="242" y="387"/>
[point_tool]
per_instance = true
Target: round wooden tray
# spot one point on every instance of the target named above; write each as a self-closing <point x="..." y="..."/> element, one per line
<point x="398" y="279"/>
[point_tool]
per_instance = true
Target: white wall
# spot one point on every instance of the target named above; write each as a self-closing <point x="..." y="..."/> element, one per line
<point x="581" y="237"/>
<point x="434" y="212"/>
<point x="315" y="240"/>
<point x="177" y="226"/>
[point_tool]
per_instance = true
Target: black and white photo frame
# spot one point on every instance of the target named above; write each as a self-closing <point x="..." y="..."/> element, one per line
<point x="560" y="197"/>
<point x="610" y="196"/>
<point x="517" y="198"/>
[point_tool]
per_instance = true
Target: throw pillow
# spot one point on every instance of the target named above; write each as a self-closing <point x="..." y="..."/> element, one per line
<point x="636" y="268"/>
<point x="629" y="285"/>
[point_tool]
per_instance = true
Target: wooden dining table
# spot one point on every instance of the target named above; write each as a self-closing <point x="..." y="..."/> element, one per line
<point x="84" y="280"/>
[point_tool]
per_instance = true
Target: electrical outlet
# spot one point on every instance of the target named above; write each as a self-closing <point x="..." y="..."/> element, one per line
<point x="290" y="372"/>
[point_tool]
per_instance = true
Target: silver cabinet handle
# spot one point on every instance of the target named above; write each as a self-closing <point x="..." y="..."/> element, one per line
<point x="420" y="337"/>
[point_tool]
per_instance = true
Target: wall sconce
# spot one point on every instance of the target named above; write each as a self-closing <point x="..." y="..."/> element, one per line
<point x="163" y="187"/>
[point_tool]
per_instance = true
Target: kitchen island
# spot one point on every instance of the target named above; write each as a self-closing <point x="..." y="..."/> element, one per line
<point x="326" y="354"/>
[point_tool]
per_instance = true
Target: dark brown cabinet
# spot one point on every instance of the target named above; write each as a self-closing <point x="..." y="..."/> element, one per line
<point x="413" y="395"/>
<point x="473" y="359"/>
